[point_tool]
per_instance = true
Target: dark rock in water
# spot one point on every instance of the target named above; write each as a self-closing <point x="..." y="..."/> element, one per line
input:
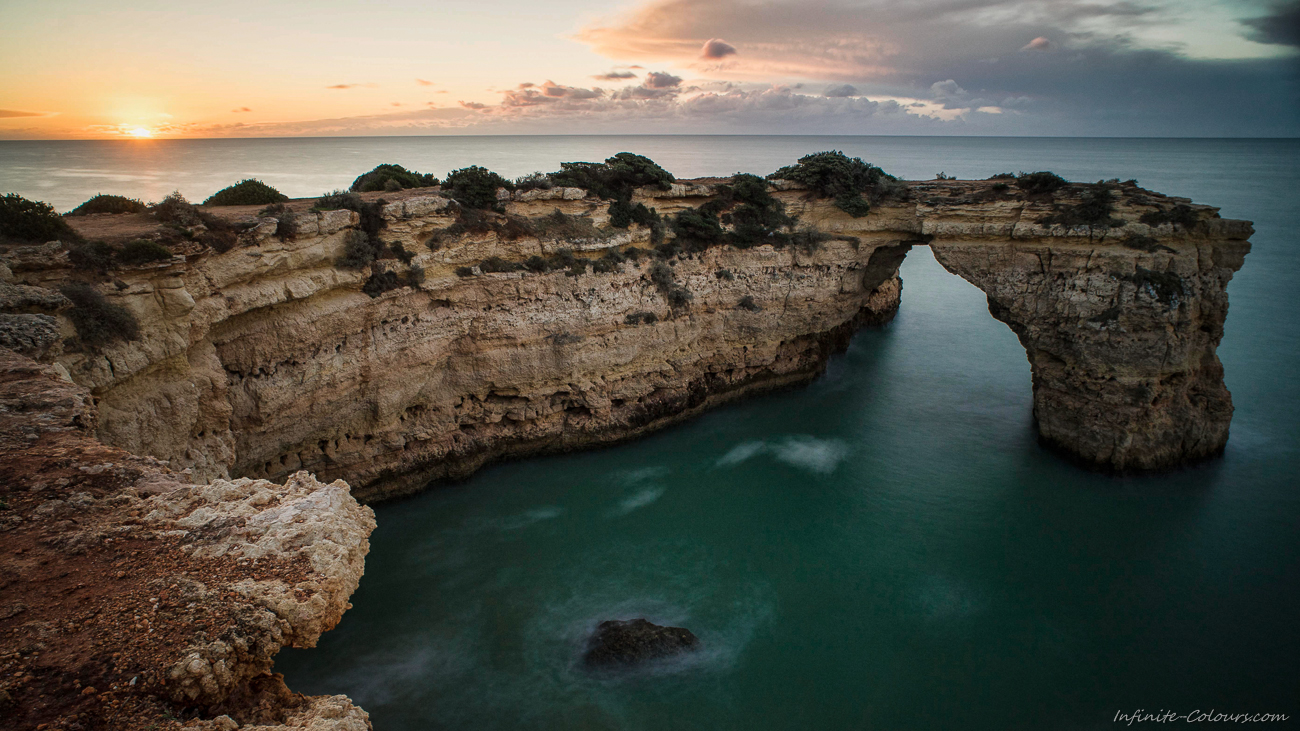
<point x="633" y="641"/>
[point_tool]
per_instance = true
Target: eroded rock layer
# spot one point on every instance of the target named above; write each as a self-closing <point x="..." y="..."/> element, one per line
<point x="269" y="358"/>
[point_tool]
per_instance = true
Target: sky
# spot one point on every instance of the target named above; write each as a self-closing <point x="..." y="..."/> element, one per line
<point x="88" y="69"/>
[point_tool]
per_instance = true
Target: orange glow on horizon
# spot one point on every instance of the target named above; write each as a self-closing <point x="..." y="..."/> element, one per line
<point x="140" y="133"/>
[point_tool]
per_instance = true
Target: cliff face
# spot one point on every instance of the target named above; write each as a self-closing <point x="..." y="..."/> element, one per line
<point x="268" y="359"/>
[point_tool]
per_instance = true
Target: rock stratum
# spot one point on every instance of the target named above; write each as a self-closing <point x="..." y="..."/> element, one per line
<point x="187" y="467"/>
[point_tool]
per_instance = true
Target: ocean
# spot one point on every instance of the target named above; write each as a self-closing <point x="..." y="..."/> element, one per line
<point x="886" y="548"/>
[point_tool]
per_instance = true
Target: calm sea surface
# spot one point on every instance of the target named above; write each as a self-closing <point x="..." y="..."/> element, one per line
<point x="887" y="548"/>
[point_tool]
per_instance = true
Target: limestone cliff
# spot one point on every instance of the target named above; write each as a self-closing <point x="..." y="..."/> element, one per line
<point x="269" y="359"/>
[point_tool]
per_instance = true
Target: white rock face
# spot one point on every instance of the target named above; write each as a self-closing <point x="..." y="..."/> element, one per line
<point x="256" y="520"/>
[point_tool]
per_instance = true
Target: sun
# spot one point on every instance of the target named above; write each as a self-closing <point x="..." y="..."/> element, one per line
<point x="140" y="132"/>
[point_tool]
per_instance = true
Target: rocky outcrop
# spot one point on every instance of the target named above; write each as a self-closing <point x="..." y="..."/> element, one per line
<point x="631" y="642"/>
<point x="269" y="359"/>
<point x="133" y="596"/>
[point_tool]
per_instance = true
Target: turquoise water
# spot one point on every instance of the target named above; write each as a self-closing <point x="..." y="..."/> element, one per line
<point x="887" y="548"/>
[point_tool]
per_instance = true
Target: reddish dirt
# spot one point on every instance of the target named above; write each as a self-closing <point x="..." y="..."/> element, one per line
<point x="90" y="614"/>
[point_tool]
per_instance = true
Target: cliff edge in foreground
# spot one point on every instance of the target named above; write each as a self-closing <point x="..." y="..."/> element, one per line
<point x="134" y="599"/>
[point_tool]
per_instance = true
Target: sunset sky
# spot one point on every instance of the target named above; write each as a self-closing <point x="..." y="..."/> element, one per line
<point x="95" y="69"/>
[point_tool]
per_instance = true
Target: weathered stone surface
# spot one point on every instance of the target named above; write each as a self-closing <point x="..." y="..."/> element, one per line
<point x="191" y="589"/>
<point x="268" y="359"/>
<point x="1121" y="342"/>
<point x="624" y="643"/>
<point x="36" y="336"/>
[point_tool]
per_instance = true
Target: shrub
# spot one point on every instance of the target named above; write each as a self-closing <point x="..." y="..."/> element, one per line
<point x="372" y="213"/>
<point x="475" y="187"/>
<point x="1180" y="215"/>
<point x="1093" y="210"/>
<point x="108" y="204"/>
<point x="464" y="271"/>
<point x="662" y="276"/>
<point x="697" y="229"/>
<point x="623" y="214"/>
<point x="809" y="239"/>
<point x="1003" y="176"/>
<point x="401" y="253"/>
<point x="415" y="276"/>
<point x="286" y="221"/>
<point x="725" y="275"/>
<point x="1041" y="183"/>
<point x="558" y="225"/>
<point x="496" y="264"/>
<point x="175" y="209"/>
<point x="534" y="181"/>
<point x="1145" y="243"/>
<point x="25" y="220"/>
<point x="835" y="175"/>
<point x="537" y="264"/>
<point x="615" y="178"/>
<point x="380" y="282"/>
<point x="93" y="256"/>
<point x="388" y="177"/>
<point x="339" y="200"/>
<point x="757" y="217"/>
<point x="98" y="322"/>
<point x="248" y="192"/>
<point x="358" y="251"/>
<point x="679" y="297"/>
<point x="638" y="318"/>
<point x="612" y="261"/>
<point x="747" y="303"/>
<point x="143" y="251"/>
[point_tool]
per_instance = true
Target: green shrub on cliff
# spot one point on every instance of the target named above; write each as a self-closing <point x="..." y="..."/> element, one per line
<point x="98" y="322"/>
<point x="390" y="177"/>
<point x="32" y="221"/>
<point x="108" y="204"/>
<point x="852" y="182"/>
<point x="358" y="251"/>
<point x="475" y="187"/>
<point x="615" y="178"/>
<point x="1094" y="210"/>
<point x="143" y="251"/>
<point x="1180" y="215"/>
<point x="247" y="192"/>
<point x="175" y="209"/>
<point x="92" y="256"/>
<point x="1041" y="183"/>
<point x="371" y="212"/>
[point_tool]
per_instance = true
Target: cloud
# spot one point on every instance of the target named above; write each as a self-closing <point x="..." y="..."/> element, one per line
<point x="1117" y="67"/>
<point x="615" y="76"/>
<point x="11" y="113"/>
<point x="840" y="90"/>
<point x="424" y="82"/>
<point x="474" y="105"/>
<point x="716" y="48"/>
<point x="239" y="110"/>
<point x="352" y="86"/>
<point x="1280" y="27"/>
<point x="661" y="80"/>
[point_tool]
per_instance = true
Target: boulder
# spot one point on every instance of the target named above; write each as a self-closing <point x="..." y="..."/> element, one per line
<point x="634" y="641"/>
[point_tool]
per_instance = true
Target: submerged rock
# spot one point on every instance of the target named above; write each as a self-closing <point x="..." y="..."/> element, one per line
<point x="634" y="641"/>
